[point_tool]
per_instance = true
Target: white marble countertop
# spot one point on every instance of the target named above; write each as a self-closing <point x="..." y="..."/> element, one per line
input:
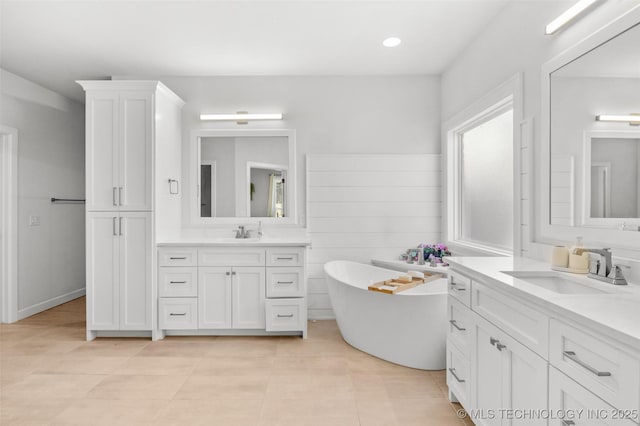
<point x="615" y="312"/>
<point x="400" y="265"/>
<point x="233" y="242"/>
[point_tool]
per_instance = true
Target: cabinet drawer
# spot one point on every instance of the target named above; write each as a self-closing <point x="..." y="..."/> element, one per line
<point x="460" y="287"/>
<point x="178" y="313"/>
<point x="285" y="282"/>
<point x="285" y="314"/>
<point x="458" y="379"/>
<point x="596" y="363"/>
<point x="525" y="324"/>
<point x="178" y="282"/>
<point x="285" y="256"/>
<point x="459" y="325"/>
<point x="567" y="396"/>
<point x="177" y="257"/>
<point x="231" y="256"/>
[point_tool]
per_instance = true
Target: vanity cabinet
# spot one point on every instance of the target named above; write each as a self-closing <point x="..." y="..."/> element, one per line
<point x="230" y="290"/>
<point x="133" y="129"/>
<point x="508" y="357"/>
<point x="119" y="271"/>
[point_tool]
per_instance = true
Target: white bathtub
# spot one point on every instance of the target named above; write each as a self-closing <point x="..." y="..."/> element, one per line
<point x="408" y="328"/>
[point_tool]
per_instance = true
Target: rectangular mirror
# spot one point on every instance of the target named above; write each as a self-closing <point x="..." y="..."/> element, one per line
<point x="244" y="174"/>
<point x="594" y="164"/>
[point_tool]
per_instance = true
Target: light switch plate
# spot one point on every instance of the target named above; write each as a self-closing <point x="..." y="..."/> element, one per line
<point x="34" y="220"/>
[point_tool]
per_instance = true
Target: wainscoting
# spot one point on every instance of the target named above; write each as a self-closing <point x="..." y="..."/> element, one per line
<point x="368" y="206"/>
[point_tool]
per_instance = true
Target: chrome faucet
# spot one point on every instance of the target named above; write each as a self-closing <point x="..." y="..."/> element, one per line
<point x="240" y="232"/>
<point x="604" y="269"/>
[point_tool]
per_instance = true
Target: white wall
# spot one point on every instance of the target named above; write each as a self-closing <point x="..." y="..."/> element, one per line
<point x="50" y="164"/>
<point x="359" y="114"/>
<point x="515" y="42"/>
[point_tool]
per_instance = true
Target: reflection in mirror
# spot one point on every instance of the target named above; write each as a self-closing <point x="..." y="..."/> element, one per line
<point x="235" y="176"/>
<point x="605" y="80"/>
<point x="614" y="178"/>
<point x="267" y="195"/>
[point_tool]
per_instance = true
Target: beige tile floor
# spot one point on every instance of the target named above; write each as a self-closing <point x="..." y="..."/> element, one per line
<point x="49" y="375"/>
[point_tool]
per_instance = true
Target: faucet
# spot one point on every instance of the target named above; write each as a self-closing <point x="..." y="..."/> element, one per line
<point x="240" y="232"/>
<point x="604" y="269"/>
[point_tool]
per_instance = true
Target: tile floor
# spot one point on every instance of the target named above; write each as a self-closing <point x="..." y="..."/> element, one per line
<point x="49" y="375"/>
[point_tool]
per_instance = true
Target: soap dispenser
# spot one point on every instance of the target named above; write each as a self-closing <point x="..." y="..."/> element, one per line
<point x="576" y="246"/>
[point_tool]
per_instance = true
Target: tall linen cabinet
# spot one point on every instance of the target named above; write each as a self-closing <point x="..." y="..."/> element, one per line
<point x="133" y="154"/>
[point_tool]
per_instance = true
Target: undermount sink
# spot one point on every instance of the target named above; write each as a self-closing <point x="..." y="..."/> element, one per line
<point x="555" y="281"/>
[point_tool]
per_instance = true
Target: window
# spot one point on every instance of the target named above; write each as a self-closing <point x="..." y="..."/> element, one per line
<point x="482" y="183"/>
<point x="486" y="183"/>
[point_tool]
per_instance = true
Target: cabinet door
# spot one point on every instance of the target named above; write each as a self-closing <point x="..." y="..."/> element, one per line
<point x="134" y="188"/>
<point x="525" y="384"/>
<point x="248" y="297"/>
<point x="214" y="297"/>
<point x="487" y="373"/>
<point x="134" y="229"/>
<point x="102" y="150"/>
<point x="102" y="271"/>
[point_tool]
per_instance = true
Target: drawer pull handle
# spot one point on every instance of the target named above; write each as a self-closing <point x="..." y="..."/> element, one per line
<point x="455" y="324"/>
<point x="177" y="282"/>
<point x="493" y="341"/>
<point x="455" y="287"/>
<point x="177" y="315"/>
<point x="284" y="258"/>
<point x="285" y="316"/>
<point x="500" y="346"/>
<point x="453" y="373"/>
<point x="568" y="423"/>
<point x="115" y="203"/>
<point x="284" y="282"/>
<point x="572" y="356"/>
<point x="178" y="258"/>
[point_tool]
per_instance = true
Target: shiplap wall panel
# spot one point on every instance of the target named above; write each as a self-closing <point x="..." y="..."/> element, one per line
<point x="367" y="206"/>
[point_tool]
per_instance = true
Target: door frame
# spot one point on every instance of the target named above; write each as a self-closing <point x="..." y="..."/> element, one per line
<point x="9" y="275"/>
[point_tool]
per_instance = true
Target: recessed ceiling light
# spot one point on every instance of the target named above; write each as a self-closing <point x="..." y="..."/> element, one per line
<point x="391" y="42"/>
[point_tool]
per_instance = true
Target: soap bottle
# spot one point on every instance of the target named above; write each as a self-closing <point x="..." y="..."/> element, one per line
<point x="576" y="246"/>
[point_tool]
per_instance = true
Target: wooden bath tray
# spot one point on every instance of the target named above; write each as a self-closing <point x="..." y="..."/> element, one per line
<point x="393" y="286"/>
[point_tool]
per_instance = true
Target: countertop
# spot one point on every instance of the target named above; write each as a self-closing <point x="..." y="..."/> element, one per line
<point x="265" y="241"/>
<point x="615" y="312"/>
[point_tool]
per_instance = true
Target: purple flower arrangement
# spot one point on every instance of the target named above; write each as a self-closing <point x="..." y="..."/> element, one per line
<point x="438" y="251"/>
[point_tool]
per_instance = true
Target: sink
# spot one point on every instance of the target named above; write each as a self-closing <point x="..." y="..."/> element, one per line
<point x="555" y="281"/>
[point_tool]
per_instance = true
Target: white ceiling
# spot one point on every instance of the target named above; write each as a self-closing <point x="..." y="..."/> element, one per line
<point x="55" y="42"/>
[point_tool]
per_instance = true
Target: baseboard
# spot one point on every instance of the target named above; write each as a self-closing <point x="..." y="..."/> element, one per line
<point x="51" y="303"/>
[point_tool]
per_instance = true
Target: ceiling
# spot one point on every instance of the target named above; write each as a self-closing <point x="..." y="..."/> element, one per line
<point x="55" y="42"/>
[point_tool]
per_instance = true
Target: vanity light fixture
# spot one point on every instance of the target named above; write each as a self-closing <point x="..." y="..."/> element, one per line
<point x="568" y="16"/>
<point x="632" y="119"/>
<point x="240" y="117"/>
<point x="391" y="42"/>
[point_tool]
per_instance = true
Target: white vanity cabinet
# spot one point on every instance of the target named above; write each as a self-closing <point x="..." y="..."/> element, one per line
<point x="509" y="359"/>
<point x="488" y="368"/>
<point x="232" y="290"/>
<point x="133" y="130"/>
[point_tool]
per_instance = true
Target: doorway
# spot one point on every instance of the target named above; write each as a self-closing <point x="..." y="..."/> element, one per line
<point x="8" y="224"/>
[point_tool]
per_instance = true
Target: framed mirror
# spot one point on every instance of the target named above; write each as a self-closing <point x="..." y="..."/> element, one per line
<point x="243" y="174"/>
<point x="591" y="167"/>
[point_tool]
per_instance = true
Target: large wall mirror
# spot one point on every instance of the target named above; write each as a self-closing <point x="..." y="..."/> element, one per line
<point x="594" y="165"/>
<point x="241" y="174"/>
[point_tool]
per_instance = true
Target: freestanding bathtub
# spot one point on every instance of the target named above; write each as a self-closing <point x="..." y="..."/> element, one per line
<point x="407" y="328"/>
